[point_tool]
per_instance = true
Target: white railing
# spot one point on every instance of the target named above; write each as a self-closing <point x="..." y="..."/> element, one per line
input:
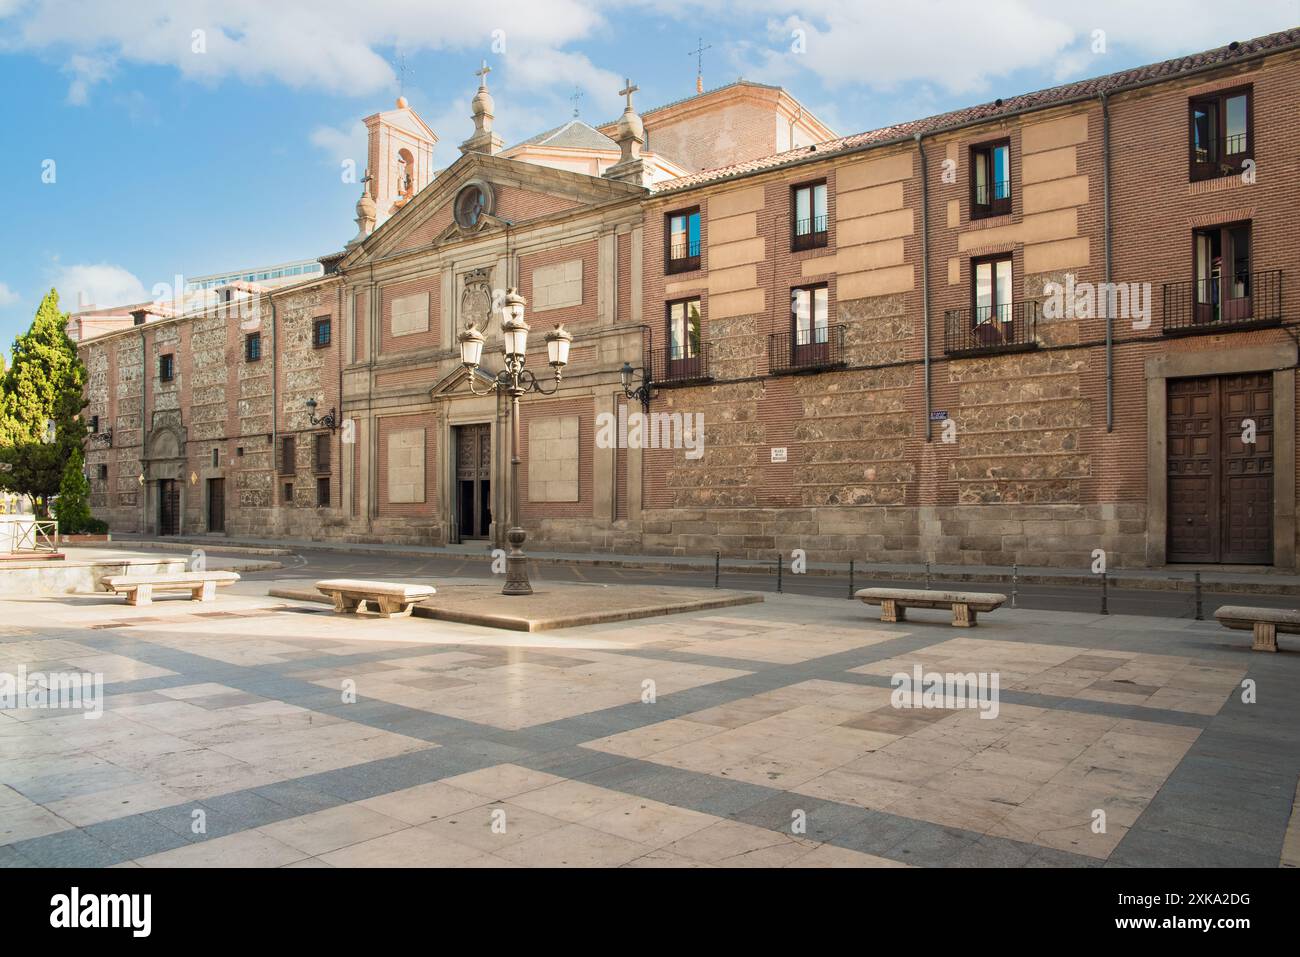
<point x="29" y="535"/>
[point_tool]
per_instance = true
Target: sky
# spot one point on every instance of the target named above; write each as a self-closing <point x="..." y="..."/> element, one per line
<point x="145" y="139"/>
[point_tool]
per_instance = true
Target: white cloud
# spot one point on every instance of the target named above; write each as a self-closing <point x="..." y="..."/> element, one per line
<point x="341" y="144"/>
<point x="319" y="44"/>
<point x="84" y="286"/>
<point x="7" y="296"/>
<point x="86" y="71"/>
<point x="966" y="49"/>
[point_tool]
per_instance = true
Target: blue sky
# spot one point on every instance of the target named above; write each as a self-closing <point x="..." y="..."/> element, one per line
<point x="170" y="159"/>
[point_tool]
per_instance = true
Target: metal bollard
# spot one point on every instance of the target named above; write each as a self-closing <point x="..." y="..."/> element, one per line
<point x="1105" y="610"/>
<point x="717" y="567"/>
<point x="780" y="563"/>
<point x="851" y="589"/>
<point x="927" y="576"/>
<point x="1015" y="575"/>
<point x="1200" y="613"/>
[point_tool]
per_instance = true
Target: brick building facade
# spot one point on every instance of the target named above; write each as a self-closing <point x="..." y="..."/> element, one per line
<point x="874" y="329"/>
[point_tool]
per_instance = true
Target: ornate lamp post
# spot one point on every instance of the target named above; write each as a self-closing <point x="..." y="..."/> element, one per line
<point x="642" y="391"/>
<point x="515" y="381"/>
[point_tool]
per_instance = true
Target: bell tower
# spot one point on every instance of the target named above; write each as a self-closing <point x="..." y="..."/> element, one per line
<point x="399" y="157"/>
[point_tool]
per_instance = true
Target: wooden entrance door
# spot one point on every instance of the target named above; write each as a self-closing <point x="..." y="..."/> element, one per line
<point x="473" y="480"/>
<point x="169" y="507"/>
<point x="1220" y="485"/>
<point x="216" y="505"/>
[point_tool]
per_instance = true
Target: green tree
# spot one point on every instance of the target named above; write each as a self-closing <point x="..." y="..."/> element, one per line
<point x="44" y="383"/>
<point x="72" y="507"/>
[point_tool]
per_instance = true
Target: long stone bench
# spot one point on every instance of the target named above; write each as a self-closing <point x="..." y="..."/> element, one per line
<point x="1264" y="622"/>
<point x="139" y="589"/>
<point x="965" y="605"/>
<point x="390" y="599"/>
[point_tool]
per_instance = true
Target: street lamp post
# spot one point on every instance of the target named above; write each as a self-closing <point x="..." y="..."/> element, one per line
<point x="515" y="381"/>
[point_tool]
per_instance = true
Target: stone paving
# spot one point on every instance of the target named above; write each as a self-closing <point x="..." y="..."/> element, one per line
<point x="760" y="735"/>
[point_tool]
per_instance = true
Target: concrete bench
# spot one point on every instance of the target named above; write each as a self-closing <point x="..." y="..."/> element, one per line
<point x="965" y="605"/>
<point x="1264" y="622"/>
<point x="139" y="589"/>
<point x="389" y="599"/>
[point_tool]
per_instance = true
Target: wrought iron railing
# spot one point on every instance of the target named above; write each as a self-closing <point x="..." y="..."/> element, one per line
<point x="1201" y="305"/>
<point x="1222" y="156"/>
<point x="684" y="256"/>
<point x="1009" y="327"/>
<point x="806" y="349"/>
<point x="685" y="364"/>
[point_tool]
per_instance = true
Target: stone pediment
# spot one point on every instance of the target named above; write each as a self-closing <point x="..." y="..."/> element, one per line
<point x="454" y="383"/>
<point x="516" y="191"/>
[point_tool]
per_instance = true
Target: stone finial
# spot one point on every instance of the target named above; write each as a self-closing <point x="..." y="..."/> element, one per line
<point x="630" y="137"/>
<point x="365" y="212"/>
<point x="483" y="140"/>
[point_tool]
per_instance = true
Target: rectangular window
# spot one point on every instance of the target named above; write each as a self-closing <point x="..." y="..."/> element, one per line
<point x="323" y="492"/>
<point x="810" y="216"/>
<point x="682" y="241"/>
<point x="216" y="458"/>
<point x="103" y="472"/>
<point x="1220" y="133"/>
<point x="990" y="180"/>
<point x="288" y="493"/>
<point x="992" y="292"/>
<point x="321" y="452"/>
<point x="809" y="315"/>
<point x="166" y="367"/>
<point x="320" y="333"/>
<point x="94" y="424"/>
<point x="684" y="329"/>
<point x="253" y="347"/>
<point x="1222" y="273"/>
<point x="288" y="463"/>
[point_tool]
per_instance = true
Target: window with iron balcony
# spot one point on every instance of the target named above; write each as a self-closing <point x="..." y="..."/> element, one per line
<point x="990" y="179"/>
<point x="810" y="220"/>
<point x="682" y="241"/>
<point x="1220" y="133"/>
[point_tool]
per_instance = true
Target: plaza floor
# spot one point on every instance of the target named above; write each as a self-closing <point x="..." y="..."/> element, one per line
<point x="258" y="731"/>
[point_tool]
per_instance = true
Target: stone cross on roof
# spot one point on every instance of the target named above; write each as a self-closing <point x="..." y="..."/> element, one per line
<point x="627" y="91"/>
<point x="482" y="73"/>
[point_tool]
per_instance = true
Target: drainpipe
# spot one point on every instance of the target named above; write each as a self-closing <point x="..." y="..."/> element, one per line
<point x="1110" y="319"/>
<point x="925" y="280"/>
<point x="275" y="400"/>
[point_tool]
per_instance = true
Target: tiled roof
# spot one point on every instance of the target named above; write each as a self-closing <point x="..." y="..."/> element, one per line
<point x="1053" y="96"/>
<point x="574" y="134"/>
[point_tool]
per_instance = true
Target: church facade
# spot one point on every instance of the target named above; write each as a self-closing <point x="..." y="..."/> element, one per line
<point x="1018" y="332"/>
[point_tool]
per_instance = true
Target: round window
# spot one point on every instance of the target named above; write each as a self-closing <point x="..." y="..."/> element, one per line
<point x="471" y="203"/>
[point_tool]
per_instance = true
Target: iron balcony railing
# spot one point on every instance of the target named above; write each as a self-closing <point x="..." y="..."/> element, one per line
<point x="1202" y="305"/>
<point x="1222" y="156"/>
<point x="806" y="349"/>
<point x="681" y="365"/>
<point x="684" y="256"/>
<point x="1006" y="328"/>
<point x="986" y="193"/>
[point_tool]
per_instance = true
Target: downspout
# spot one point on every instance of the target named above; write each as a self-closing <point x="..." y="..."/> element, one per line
<point x="275" y="401"/>
<point x="1110" y="318"/>
<point x="925" y="281"/>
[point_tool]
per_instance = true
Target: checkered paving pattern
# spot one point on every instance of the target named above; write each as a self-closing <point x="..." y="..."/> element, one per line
<point x="274" y="734"/>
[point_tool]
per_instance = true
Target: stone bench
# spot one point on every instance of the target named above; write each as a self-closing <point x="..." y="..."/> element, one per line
<point x="1264" y="622"/>
<point x="389" y="599"/>
<point x="139" y="589"/>
<point x="965" y="605"/>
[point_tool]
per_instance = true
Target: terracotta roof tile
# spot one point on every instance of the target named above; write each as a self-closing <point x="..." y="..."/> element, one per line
<point x="1065" y="93"/>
